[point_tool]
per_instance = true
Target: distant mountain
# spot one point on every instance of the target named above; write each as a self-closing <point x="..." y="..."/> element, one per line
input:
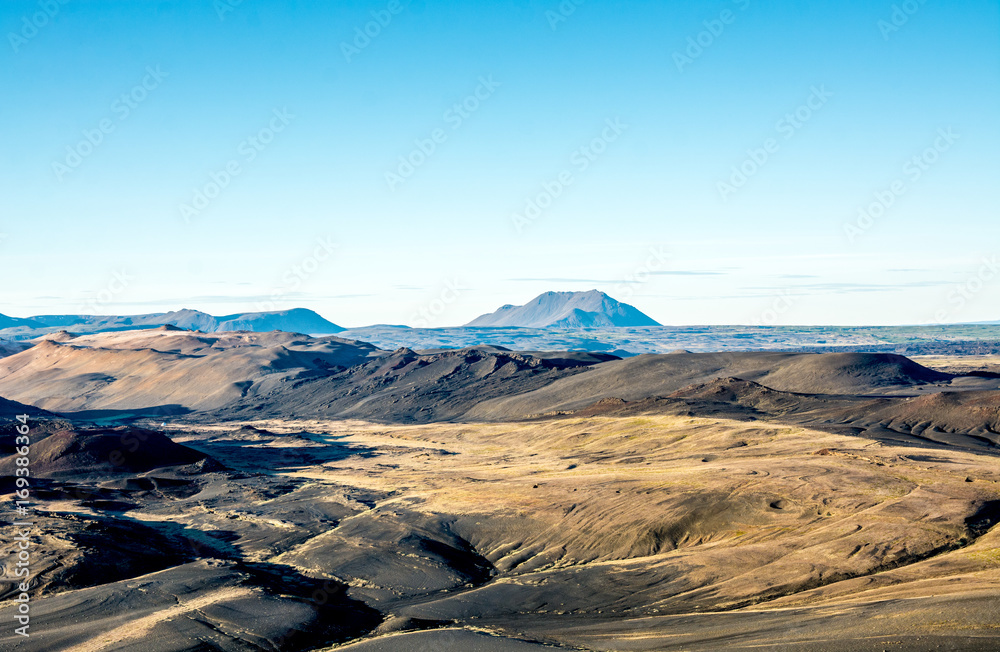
<point x="296" y="320"/>
<point x="566" y="310"/>
<point x="13" y="322"/>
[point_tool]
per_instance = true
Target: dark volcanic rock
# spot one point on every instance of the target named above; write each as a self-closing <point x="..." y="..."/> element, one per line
<point x="80" y="452"/>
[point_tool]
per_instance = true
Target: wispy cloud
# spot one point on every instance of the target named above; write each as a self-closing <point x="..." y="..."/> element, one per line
<point x="569" y="280"/>
<point x="178" y="302"/>
<point x="845" y="288"/>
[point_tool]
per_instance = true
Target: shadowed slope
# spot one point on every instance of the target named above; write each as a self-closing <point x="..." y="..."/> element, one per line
<point x="408" y="386"/>
<point x="967" y="419"/>
<point x="10" y="409"/>
<point x="660" y="375"/>
<point x="104" y="452"/>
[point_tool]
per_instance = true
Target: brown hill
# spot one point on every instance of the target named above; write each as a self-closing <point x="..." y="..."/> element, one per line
<point x="976" y="413"/>
<point x="849" y="373"/>
<point x="969" y="419"/>
<point x="646" y="376"/>
<point x="407" y="386"/>
<point x="166" y="371"/>
<point x="175" y="371"/>
<point x="263" y="375"/>
<point x="734" y="398"/>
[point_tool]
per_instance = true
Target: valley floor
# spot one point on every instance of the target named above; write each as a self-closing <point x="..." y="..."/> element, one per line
<point x="634" y="532"/>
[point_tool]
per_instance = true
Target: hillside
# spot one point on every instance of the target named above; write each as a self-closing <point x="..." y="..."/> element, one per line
<point x="660" y="375"/>
<point x="167" y="371"/>
<point x="10" y="409"/>
<point x="101" y="452"/>
<point x="414" y="387"/>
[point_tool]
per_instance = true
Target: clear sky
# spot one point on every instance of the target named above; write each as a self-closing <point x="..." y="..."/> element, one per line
<point x="706" y="161"/>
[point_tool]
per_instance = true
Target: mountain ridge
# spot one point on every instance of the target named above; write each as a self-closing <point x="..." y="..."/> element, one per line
<point x="295" y="320"/>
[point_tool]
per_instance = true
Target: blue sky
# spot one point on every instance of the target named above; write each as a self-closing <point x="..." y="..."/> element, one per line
<point x="565" y="147"/>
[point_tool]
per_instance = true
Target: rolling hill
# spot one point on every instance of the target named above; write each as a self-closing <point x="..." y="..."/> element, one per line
<point x="166" y="370"/>
<point x="661" y="375"/>
<point x="239" y="375"/>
